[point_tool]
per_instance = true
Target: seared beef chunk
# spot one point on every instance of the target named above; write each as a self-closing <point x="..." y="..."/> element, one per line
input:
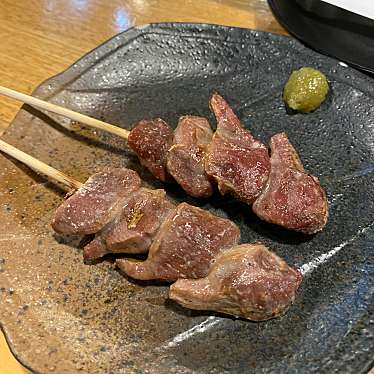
<point x="291" y="198"/>
<point x="246" y="281"/>
<point x="96" y="202"/>
<point x="239" y="163"/>
<point x="185" y="246"/>
<point x="151" y="140"/>
<point x="133" y="230"/>
<point x="185" y="160"/>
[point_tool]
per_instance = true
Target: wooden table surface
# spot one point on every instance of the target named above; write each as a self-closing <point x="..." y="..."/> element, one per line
<point x="40" y="38"/>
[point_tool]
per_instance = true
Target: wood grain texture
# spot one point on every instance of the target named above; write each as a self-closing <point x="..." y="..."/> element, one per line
<point x="8" y="364"/>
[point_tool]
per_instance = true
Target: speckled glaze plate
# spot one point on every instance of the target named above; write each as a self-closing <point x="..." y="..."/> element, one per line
<point x="61" y="316"/>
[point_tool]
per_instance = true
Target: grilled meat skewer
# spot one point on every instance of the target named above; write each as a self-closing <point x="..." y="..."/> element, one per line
<point x="239" y="163"/>
<point x="228" y="280"/>
<point x="151" y="140"/>
<point x="291" y="198"/>
<point x="246" y="281"/>
<point x="185" y="245"/>
<point x="195" y="157"/>
<point x="131" y="219"/>
<point x="233" y="158"/>
<point x="278" y="187"/>
<point x="96" y="202"/>
<point x="188" y="245"/>
<point x="185" y="158"/>
<point x="133" y="229"/>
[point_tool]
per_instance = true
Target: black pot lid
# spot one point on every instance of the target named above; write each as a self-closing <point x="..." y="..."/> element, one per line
<point x="329" y="29"/>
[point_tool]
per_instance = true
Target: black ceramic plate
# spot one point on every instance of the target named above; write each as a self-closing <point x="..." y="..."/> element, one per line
<point x="329" y="29"/>
<point x="62" y="316"/>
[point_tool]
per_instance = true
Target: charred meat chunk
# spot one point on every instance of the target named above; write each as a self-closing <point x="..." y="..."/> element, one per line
<point x="246" y="281"/>
<point x="133" y="230"/>
<point x="239" y="163"/>
<point x="291" y="198"/>
<point x="151" y="140"/>
<point x="185" y="161"/>
<point x="89" y="209"/>
<point x="185" y="246"/>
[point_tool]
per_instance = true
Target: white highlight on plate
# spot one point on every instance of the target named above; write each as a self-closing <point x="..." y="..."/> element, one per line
<point x="309" y="267"/>
<point x="206" y="325"/>
<point x="312" y="265"/>
<point x="362" y="7"/>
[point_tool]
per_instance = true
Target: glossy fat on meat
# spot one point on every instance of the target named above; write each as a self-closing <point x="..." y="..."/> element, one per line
<point x="185" y="161"/>
<point x="89" y="209"/>
<point x="239" y="163"/>
<point x="151" y="140"/>
<point x="292" y="198"/>
<point x="133" y="230"/>
<point x="246" y="281"/>
<point x="185" y="246"/>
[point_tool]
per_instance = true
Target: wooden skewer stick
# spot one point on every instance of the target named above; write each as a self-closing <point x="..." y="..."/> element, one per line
<point x="89" y="121"/>
<point x="39" y="166"/>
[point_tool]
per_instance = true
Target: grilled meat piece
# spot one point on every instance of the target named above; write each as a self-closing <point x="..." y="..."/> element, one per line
<point x="133" y="230"/>
<point x="292" y="198"/>
<point x="185" y="161"/>
<point x="246" y="281"/>
<point x="151" y="140"/>
<point x="96" y="202"/>
<point x="185" y="246"/>
<point x="239" y="163"/>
